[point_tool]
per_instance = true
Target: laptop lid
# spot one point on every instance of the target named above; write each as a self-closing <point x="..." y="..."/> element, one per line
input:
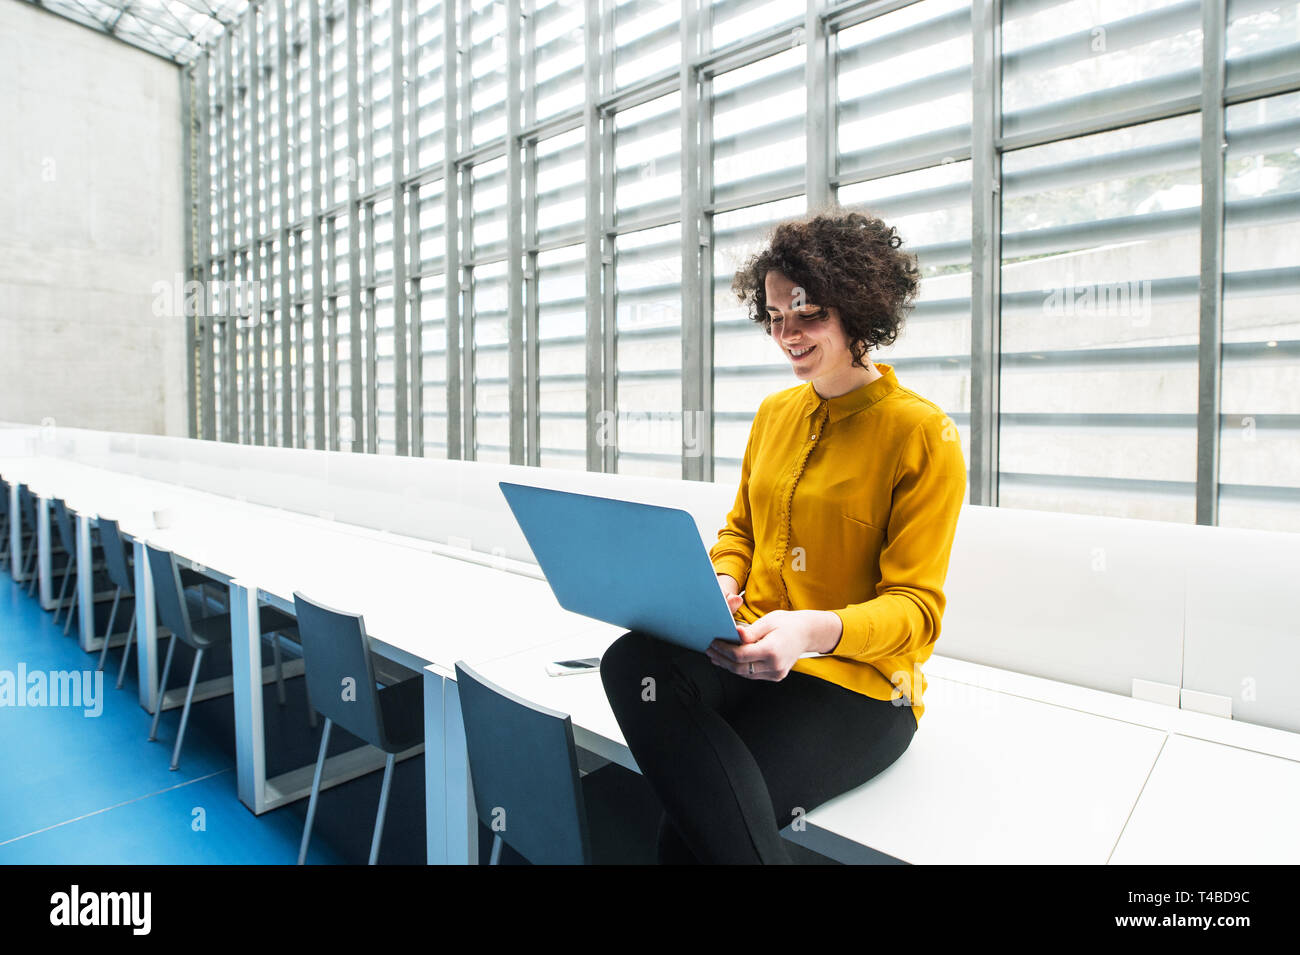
<point x="638" y="566"/>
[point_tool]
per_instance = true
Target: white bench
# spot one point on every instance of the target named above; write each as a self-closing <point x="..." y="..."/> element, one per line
<point x="1067" y="718"/>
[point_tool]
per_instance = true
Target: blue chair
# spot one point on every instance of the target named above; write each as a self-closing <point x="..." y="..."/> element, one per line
<point x="4" y="521"/>
<point x="71" y="569"/>
<point x="27" y="513"/>
<point x="523" y="763"/>
<point x="200" y="635"/>
<point x="342" y="687"/>
<point x="121" y="574"/>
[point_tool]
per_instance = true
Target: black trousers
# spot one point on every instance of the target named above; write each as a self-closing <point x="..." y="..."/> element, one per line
<point x="735" y="760"/>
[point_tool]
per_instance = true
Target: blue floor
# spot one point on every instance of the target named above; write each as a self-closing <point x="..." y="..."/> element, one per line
<point x="80" y="789"/>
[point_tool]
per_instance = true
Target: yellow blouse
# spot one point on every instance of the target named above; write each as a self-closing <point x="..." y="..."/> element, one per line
<point x="850" y="504"/>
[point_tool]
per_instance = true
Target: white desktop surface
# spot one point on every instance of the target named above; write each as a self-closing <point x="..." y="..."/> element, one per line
<point x="581" y="695"/>
<point x="1211" y="804"/>
<point x="1056" y="787"/>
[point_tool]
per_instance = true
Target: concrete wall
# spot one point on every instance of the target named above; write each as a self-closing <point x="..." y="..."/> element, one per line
<point x="91" y="217"/>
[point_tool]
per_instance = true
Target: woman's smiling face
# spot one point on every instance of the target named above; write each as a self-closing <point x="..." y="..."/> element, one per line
<point x="811" y="337"/>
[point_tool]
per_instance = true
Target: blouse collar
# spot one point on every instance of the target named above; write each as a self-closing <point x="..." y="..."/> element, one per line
<point x="858" y="399"/>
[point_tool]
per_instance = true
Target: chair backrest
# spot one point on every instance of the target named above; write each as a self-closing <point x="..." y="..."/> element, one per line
<point x="110" y="538"/>
<point x="4" y="498"/>
<point x="524" y="768"/>
<point x="27" y="504"/>
<point x="173" y="613"/>
<point x="63" y="521"/>
<point x="340" y="676"/>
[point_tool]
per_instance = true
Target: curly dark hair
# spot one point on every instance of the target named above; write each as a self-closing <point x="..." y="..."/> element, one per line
<point x="843" y="259"/>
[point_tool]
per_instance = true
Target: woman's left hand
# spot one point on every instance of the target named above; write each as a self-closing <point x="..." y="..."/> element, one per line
<point x="770" y="645"/>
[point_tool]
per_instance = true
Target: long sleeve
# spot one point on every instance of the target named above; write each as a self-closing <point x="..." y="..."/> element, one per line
<point x="733" y="554"/>
<point x="929" y="487"/>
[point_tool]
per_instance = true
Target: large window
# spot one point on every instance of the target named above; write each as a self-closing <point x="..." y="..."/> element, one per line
<point x="506" y="230"/>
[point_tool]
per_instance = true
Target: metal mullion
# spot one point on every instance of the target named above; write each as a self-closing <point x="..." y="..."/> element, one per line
<point x="203" y="399"/>
<point x="318" y="238"/>
<point x="227" y="355"/>
<point x="697" y="152"/>
<point x="333" y="343"/>
<point x="253" y="338"/>
<point x="451" y="69"/>
<point x="531" y="275"/>
<point x="368" y="72"/>
<point x="189" y="149"/>
<point x="414" y="317"/>
<point x="285" y="312"/>
<point x="399" y="113"/>
<point x="1210" y="285"/>
<point x="468" y="428"/>
<point x="371" y="333"/>
<point x="466" y="239"/>
<point x="357" y="410"/>
<point x="594" y="182"/>
<point x="207" y="412"/>
<point x="986" y="250"/>
<point x="817" y="130"/>
<point x="607" y="329"/>
<point x="520" y="382"/>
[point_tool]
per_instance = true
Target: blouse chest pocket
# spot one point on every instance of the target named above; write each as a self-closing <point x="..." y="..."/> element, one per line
<point x="861" y="544"/>
<point x="865" y="527"/>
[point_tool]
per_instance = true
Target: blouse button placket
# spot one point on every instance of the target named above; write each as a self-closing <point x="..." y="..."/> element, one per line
<point x="820" y="418"/>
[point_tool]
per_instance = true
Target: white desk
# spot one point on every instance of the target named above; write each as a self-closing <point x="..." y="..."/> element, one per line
<point x="422" y="610"/>
<point x="1075" y="776"/>
<point x="1211" y="804"/>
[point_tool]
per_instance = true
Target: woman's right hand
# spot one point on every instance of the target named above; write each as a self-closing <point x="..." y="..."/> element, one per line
<point x="731" y="590"/>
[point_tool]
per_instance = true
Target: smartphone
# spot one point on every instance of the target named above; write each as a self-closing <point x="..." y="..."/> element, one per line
<point x="569" y="667"/>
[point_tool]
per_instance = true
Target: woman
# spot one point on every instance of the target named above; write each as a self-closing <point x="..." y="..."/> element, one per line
<point x="833" y="560"/>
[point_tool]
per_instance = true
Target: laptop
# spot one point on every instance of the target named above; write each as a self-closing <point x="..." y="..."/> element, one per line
<point x="638" y="566"/>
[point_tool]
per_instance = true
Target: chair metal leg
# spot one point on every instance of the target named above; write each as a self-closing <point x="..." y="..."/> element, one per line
<point x="67" y="621"/>
<point x="497" y="843"/>
<point x="279" y="667"/>
<point x="315" y="791"/>
<point x="72" y="562"/>
<point x="162" y="690"/>
<point x="383" y="807"/>
<point x="311" y="710"/>
<point x="63" y="589"/>
<point x="185" y="711"/>
<point x="34" y="573"/>
<point x="29" y="555"/>
<point x="112" y="619"/>
<point x="126" y="652"/>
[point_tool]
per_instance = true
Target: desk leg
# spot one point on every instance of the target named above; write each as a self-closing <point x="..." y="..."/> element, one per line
<point x="451" y="825"/>
<point x="146" y="630"/>
<point x="85" y="595"/>
<point x="246" y="660"/>
<point x="44" y="569"/>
